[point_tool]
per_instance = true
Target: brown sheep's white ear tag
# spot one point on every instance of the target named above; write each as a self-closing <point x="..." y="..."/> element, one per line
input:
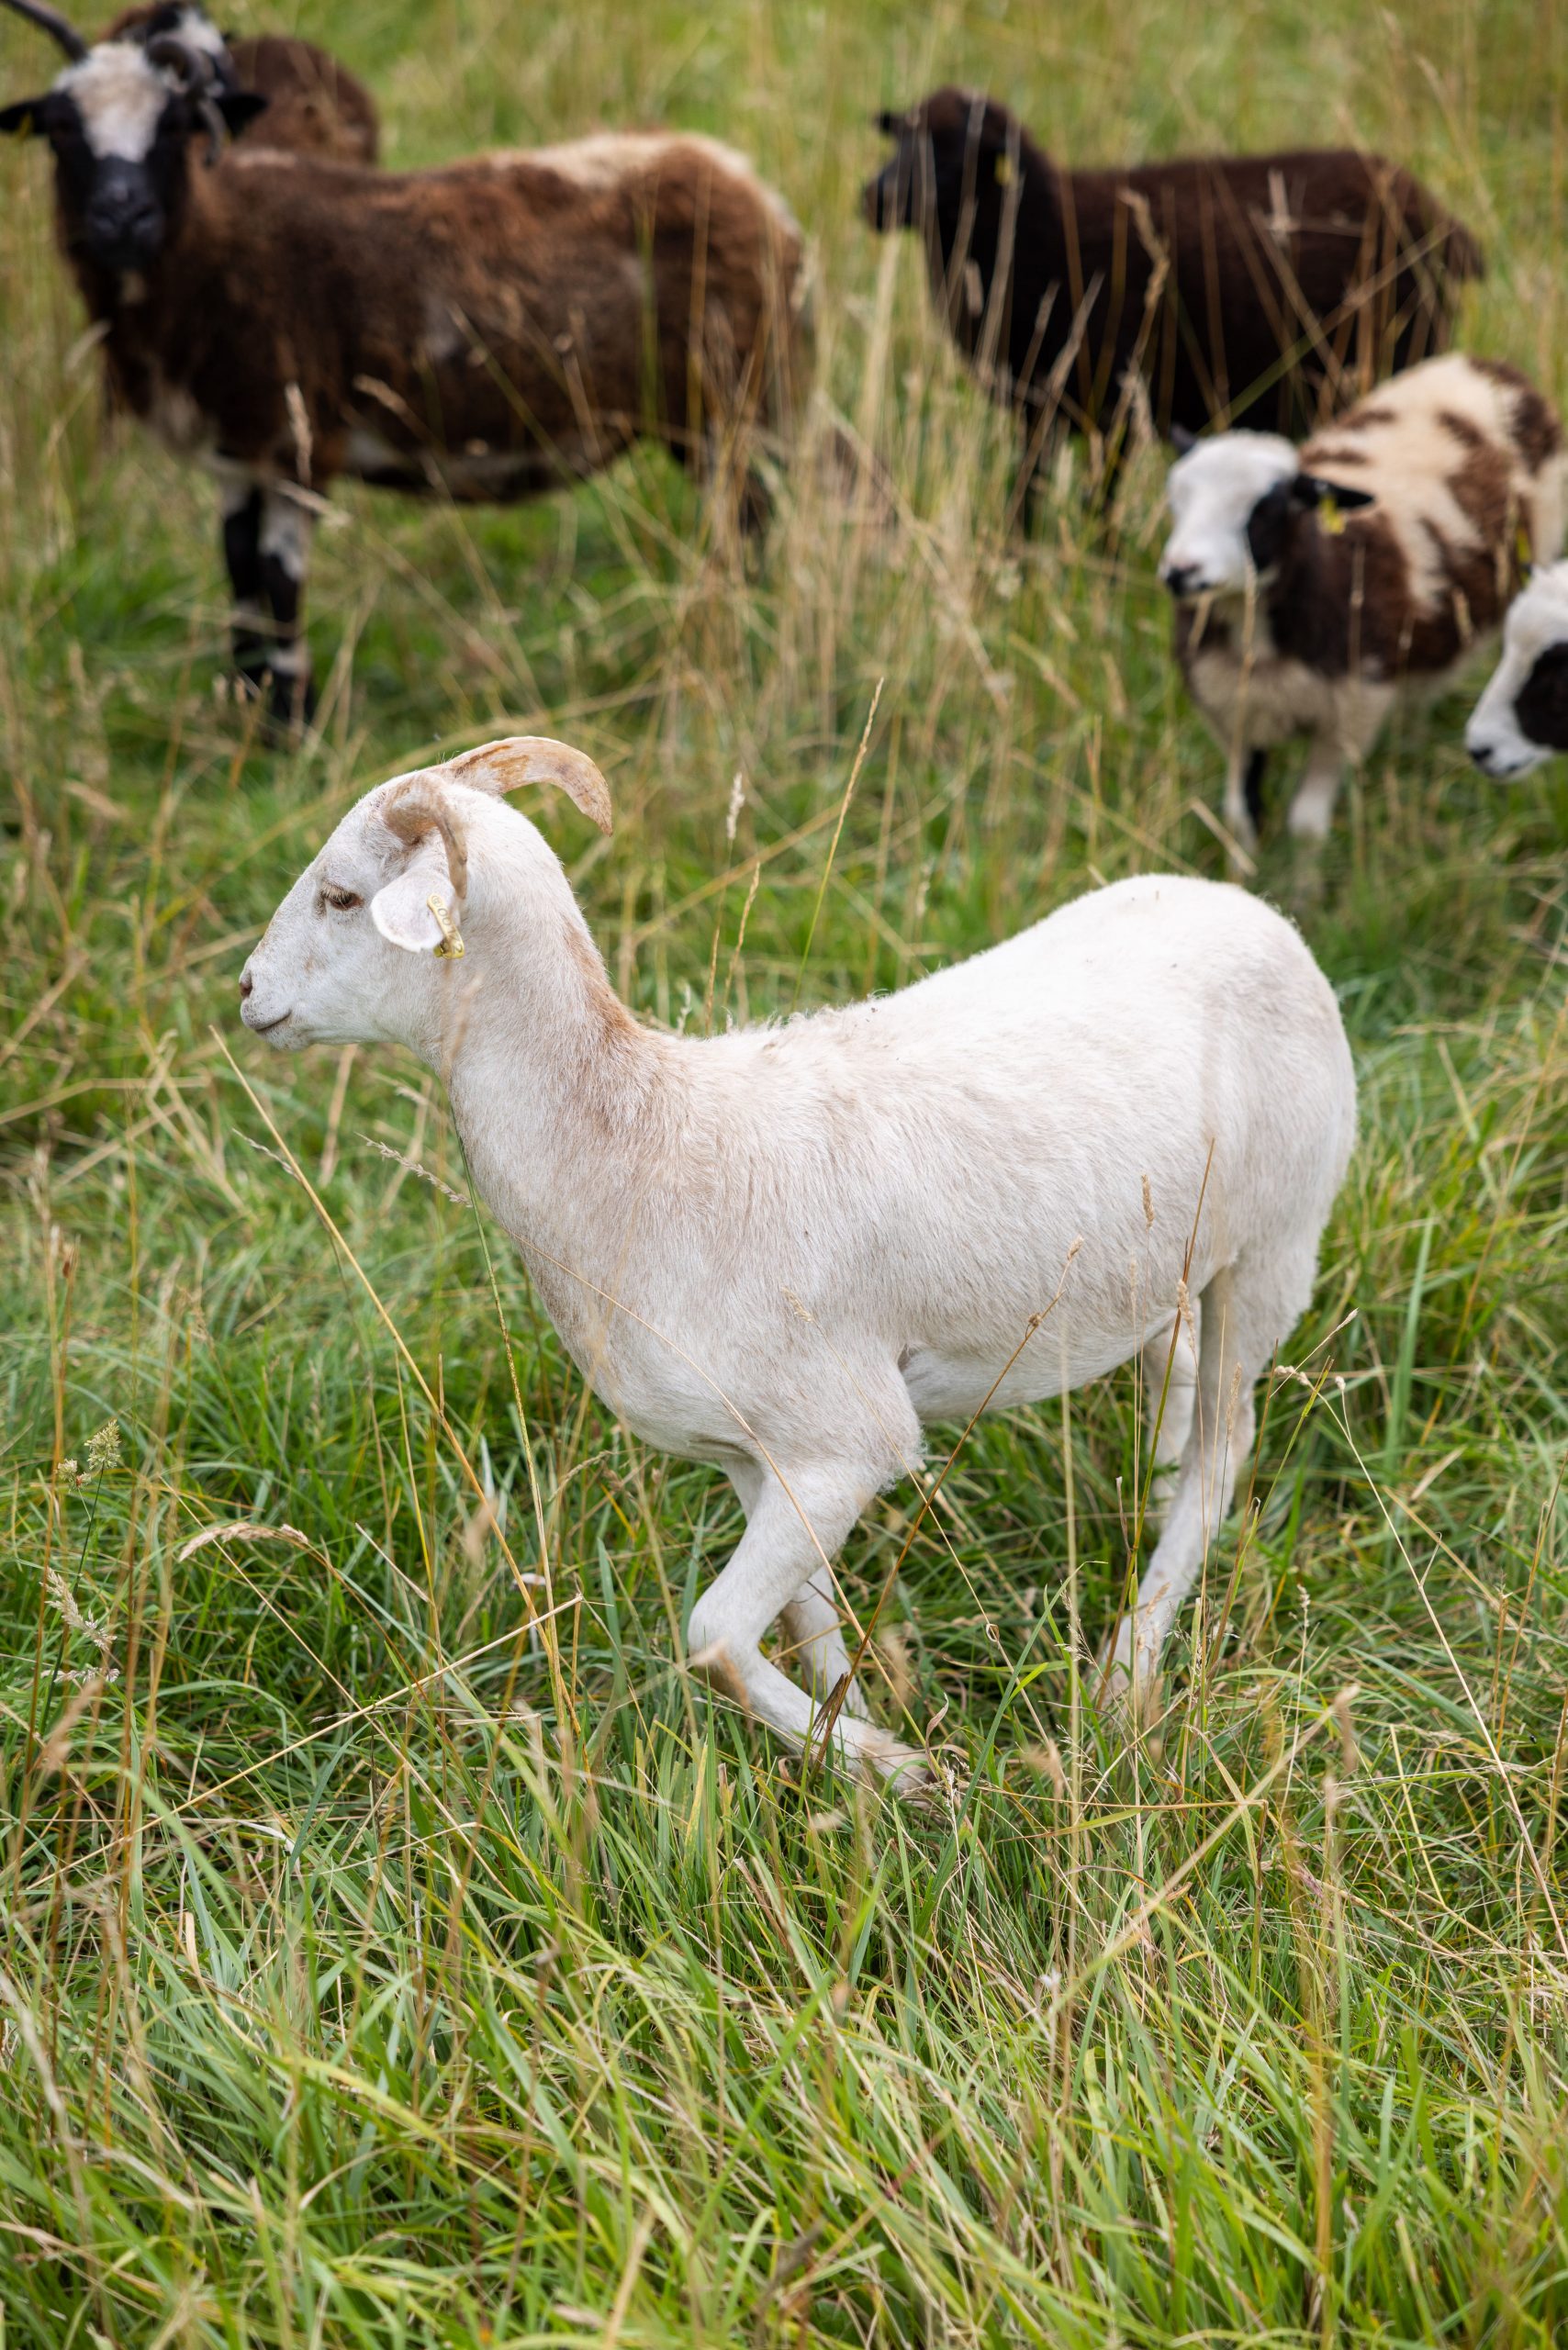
<point x="415" y="910"/>
<point x="518" y="759"/>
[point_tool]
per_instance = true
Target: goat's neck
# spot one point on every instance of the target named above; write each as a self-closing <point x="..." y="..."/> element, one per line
<point x="564" y="1101"/>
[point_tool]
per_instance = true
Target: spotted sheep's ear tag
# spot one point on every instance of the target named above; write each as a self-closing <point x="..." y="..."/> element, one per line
<point x="1332" y="514"/>
<point x="1524" y="553"/>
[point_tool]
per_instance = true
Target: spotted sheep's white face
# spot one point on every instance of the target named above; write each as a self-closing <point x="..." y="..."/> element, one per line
<point x="1522" y="717"/>
<point x="1213" y="493"/>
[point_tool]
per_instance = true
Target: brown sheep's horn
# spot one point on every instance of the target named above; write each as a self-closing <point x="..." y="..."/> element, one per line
<point x="50" y="22"/>
<point x="198" y="75"/>
<point x="415" y="811"/>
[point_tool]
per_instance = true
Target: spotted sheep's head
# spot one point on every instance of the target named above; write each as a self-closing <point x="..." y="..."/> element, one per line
<point x="1234" y="497"/>
<point x="1522" y="717"/>
<point x="955" y="147"/>
<point x="120" y="120"/>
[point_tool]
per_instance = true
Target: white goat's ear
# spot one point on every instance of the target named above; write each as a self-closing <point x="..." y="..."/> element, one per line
<point x="518" y="759"/>
<point x="402" y="913"/>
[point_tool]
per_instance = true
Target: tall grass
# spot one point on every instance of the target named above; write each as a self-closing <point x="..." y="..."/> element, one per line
<point x="395" y="1947"/>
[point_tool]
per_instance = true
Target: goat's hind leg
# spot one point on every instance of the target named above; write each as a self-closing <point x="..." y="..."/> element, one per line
<point x="1168" y="1372"/>
<point x="1246" y="1310"/>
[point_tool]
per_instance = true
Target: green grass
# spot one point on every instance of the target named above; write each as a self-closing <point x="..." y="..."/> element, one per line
<point x="394" y="1952"/>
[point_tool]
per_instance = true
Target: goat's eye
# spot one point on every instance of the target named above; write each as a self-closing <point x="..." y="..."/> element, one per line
<point x="342" y="902"/>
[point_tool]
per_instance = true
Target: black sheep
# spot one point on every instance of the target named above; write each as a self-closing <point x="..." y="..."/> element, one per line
<point x="1258" y="290"/>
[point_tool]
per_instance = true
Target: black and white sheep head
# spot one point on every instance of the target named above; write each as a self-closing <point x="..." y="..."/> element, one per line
<point x="1235" y="499"/>
<point x="358" y="950"/>
<point x="120" y="120"/>
<point x="955" y="147"/>
<point x="1522" y="717"/>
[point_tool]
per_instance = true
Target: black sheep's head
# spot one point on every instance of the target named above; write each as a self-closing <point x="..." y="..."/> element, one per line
<point x="955" y="146"/>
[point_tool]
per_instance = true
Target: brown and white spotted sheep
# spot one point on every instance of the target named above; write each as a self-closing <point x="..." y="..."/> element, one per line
<point x="1313" y="585"/>
<point x="1262" y="291"/>
<point x="485" y="331"/>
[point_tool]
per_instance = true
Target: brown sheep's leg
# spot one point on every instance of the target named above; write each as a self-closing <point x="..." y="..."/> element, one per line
<point x="286" y="555"/>
<point x="250" y="634"/>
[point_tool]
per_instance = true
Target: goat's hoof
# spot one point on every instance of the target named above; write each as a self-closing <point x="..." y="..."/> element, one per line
<point x="1127" y="1695"/>
<point x="904" y="1771"/>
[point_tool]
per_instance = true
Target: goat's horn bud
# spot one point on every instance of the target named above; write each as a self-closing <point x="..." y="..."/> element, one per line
<point x="49" y="20"/>
<point x="413" y="813"/>
<point x="518" y="759"/>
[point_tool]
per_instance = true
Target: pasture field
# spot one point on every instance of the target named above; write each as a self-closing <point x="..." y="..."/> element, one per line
<point x="396" y="1949"/>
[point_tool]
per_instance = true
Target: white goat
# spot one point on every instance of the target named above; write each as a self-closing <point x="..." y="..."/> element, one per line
<point x="786" y="1249"/>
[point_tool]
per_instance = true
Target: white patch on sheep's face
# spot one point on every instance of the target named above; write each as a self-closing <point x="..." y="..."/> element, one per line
<point x="120" y="96"/>
<point x="1211" y="492"/>
<point x="329" y="970"/>
<point x="1537" y="623"/>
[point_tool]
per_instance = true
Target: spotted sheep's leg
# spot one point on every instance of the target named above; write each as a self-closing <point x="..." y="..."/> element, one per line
<point x="1239" y="781"/>
<point x="1311" y="810"/>
<point x="285" y="533"/>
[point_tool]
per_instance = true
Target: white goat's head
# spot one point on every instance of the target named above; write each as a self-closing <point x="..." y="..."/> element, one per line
<point x="1522" y="717"/>
<point x="1233" y="498"/>
<point x="356" y="953"/>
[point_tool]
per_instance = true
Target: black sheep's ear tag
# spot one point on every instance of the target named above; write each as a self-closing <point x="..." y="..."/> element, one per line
<point x="21" y="120"/>
<point x="1005" y="170"/>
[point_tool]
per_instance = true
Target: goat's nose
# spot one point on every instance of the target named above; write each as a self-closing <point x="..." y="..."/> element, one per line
<point x="246" y="984"/>
<point x="1181" y="579"/>
<point x="1481" y="756"/>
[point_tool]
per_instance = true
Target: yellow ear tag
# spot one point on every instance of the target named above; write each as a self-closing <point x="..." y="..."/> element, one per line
<point x="1523" y="549"/>
<point x="1004" y="171"/>
<point x="451" y="936"/>
<point x="1332" y="514"/>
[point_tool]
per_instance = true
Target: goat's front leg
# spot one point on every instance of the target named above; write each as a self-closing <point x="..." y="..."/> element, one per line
<point x="792" y="1527"/>
<point x="286" y="557"/>
<point x="816" y="1643"/>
